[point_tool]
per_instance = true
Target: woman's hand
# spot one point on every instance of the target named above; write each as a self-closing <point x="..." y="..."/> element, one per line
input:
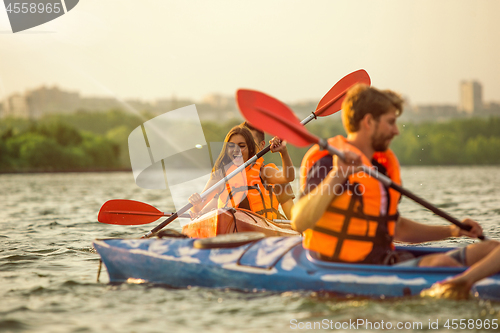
<point x="277" y="145"/>
<point x="195" y="200"/>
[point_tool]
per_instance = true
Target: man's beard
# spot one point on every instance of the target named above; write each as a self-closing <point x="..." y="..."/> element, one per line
<point x="381" y="142"/>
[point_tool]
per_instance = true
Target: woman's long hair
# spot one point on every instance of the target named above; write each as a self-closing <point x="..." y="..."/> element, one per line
<point x="224" y="158"/>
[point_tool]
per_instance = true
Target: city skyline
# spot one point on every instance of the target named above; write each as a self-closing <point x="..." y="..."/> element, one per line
<point x="35" y="103"/>
<point x="292" y="50"/>
<point x="212" y="96"/>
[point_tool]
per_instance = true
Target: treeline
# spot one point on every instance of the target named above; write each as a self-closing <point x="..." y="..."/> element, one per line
<point x="99" y="141"/>
<point x="474" y="141"/>
<point x="56" y="147"/>
<point x="79" y="142"/>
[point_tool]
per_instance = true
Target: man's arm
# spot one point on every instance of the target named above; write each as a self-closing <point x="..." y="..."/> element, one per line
<point x="414" y="232"/>
<point x="313" y="205"/>
<point x="210" y="201"/>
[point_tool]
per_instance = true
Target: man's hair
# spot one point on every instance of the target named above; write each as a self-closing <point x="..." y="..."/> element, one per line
<point x="362" y="100"/>
<point x="260" y="134"/>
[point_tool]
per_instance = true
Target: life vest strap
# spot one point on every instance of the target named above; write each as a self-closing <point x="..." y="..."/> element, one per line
<point x="347" y="219"/>
<point x="255" y="187"/>
<point x="362" y="216"/>
<point x="375" y="240"/>
<point x="234" y="190"/>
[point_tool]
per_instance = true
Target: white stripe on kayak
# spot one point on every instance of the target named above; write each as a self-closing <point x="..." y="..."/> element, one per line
<point x="288" y="262"/>
<point x="249" y="269"/>
<point x="374" y="279"/>
<point x="487" y="282"/>
<point x="101" y="243"/>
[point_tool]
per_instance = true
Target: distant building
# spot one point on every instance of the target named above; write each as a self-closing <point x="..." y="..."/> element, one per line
<point x="491" y="109"/>
<point x="35" y="103"/>
<point x="471" y="97"/>
<point x="218" y="101"/>
<point x="16" y="106"/>
<point x="50" y="100"/>
<point x="98" y="104"/>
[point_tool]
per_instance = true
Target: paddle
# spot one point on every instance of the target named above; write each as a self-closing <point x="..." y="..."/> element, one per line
<point x="328" y="105"/>
<point x="282" y="122"/>
<point x="130" y="212"/>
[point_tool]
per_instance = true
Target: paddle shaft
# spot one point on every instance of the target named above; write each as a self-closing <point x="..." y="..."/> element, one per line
<point x="389" y="183"/>
<point x="317" y="113"/>
<point x="432" y="208"/>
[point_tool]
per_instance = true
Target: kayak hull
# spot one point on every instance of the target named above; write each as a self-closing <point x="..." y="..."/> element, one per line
<point x="228" y="221"/>
<point x="272" y="264"/>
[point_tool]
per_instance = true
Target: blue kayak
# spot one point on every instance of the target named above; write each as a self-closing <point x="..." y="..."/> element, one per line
<point x="271" y="264"/>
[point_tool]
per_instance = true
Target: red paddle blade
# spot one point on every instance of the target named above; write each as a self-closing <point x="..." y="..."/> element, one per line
<point x="332" y="101"/>
<point x="128" y="212"/>
<point x="270" y="115"/>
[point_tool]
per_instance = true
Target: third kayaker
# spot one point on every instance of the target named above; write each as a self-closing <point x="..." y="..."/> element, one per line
<point x="247" y="189"/>
<point x="347" y="216"/>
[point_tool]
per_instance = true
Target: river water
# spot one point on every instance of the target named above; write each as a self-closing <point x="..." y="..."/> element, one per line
<point x="48" y="267"/>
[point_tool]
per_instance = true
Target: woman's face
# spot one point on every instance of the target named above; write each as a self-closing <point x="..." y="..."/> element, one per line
<point x="237" y="149"/>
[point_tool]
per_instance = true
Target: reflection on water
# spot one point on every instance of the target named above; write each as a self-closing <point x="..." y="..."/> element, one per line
<point x="48" y="268"/>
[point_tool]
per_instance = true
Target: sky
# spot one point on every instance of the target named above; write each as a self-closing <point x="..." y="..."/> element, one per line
<point x="292" y="50"/>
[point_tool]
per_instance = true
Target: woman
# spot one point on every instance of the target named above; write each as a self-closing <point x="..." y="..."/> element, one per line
<point x="246" y="189"/>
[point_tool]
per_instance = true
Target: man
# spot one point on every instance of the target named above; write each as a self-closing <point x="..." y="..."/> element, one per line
<point x="347" y="216"/>
<point x="283" y="192"/>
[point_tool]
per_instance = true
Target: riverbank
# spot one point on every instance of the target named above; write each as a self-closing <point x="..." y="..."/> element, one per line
<point x="98" y="142"/>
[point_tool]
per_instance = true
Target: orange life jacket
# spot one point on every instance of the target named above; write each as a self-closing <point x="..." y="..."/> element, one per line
<point x="353" y="226"/>
<point x="261" y="198"/>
